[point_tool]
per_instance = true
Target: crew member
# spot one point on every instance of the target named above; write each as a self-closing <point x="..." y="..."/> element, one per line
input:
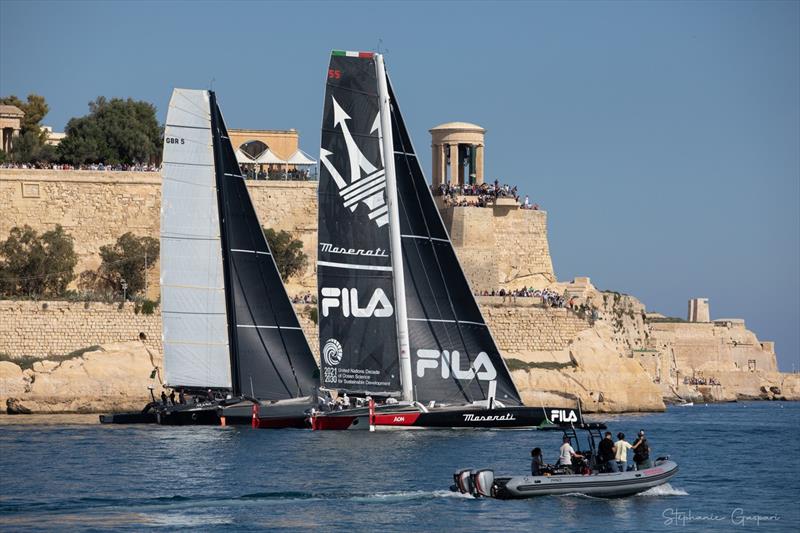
<point x="605" y="454"/>
<point x="621" y="452"/>
<point x="641" y="452"/>
<point x="566" y="453"/>
<point x="163" y="397"/>
<point x="537" y="462"/>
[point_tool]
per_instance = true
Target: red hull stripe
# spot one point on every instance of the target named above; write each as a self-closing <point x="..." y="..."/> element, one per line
<point x="397" y="419"/>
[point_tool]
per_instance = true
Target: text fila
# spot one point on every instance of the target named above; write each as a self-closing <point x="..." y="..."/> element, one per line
<point x="560" y="415"/>
<point x="450" y="363"/>
<point x="347" y="299"/>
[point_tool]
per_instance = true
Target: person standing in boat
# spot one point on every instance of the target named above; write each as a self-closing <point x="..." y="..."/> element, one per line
<point x="641" y="455"/>
<point x="621" y="452"/>
<point x="566" y="453"/>
<point x="163" y="398"/>
<point x="537" y="462"/>
<point x="172" y="397"/>
<point x="605" y="454"/>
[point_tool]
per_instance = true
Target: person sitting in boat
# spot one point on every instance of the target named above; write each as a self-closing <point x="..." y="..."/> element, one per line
<point x="605" y="454"/>
<point x="537" y="462"/>
<point x="641" y="455"/>
<point x="566" y="453"/>
<point x="621" y="452"/>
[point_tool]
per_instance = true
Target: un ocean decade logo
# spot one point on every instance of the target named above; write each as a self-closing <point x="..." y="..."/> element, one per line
<point x="332" y="352"/>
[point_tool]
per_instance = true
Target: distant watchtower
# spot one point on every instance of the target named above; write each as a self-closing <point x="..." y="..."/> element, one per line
<point x="698" y="310"/>
<point x="457" y="146"/>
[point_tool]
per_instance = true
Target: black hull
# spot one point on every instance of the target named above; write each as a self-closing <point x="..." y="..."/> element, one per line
<point x="466" y="417"/>
<point x="194" y="416"/>
<point x="128" y="418"/>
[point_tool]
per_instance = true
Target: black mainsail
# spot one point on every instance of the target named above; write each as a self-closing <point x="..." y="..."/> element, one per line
<point x="358" y="339"/>
<point x="228" y="322"/>
<point x="453" y="357"/>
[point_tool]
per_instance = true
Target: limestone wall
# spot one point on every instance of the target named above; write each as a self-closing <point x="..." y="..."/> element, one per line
<point x="41" y="329"/>
<point x="97" y="207"/>
<point x="532" y="329"/>
<point x="501" y="246"/>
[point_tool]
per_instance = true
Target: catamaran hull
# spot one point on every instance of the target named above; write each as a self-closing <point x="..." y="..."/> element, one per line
<point x="445" y="418"/>
<point x="283" y="414"/>
<point x="129" y="418"/>
<point x="193" y="416"/>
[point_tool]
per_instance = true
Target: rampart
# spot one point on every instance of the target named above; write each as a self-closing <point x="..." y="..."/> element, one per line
<point x="500" y="246"/>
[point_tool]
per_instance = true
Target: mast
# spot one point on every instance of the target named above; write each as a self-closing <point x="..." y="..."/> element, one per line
<point x="236" y="388"/>
<point x="398" y="278"/>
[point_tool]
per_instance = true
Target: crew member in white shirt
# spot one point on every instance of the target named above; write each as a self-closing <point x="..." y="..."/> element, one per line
<point x="566" y="453"/>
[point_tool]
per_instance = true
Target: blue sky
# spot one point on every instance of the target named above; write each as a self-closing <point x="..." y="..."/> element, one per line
<point x="662" y="138"/>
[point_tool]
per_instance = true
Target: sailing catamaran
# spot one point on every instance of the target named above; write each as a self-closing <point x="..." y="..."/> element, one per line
<point x="397" y="319"/>
<point x="231" y="336"/>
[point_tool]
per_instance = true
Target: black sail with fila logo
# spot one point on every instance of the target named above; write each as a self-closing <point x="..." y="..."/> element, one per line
<point x="357" y="328"/>
<point x="453" y="355"/>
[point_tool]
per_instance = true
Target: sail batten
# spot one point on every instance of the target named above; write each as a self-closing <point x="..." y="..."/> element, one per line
<point x="228" y="322"/>
<point x="453" y="352"/>
<point x="272" y="360"/>
<point x="192" y="289"/>
<point x="358" y="338"/>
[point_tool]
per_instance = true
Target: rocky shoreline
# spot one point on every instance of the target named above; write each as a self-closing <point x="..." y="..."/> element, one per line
<point x="116" y="377"/>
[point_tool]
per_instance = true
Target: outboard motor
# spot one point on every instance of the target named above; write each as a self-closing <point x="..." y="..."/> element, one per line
<point x="463" y="481"/>
<point x="482" y="482"/>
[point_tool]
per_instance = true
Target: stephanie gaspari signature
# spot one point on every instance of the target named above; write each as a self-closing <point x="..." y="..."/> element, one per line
<point x="737" y="517"/>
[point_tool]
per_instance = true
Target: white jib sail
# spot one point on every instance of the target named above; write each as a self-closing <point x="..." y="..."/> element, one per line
<point x="195" y="331"/>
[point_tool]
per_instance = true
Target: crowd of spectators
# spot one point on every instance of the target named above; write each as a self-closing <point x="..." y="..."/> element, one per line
<point x="306" y="298"/>
<point x="700" y="381"/>
<point x="90" y="166"/>
<point x="482" y="195"/>
<point x="297" y="174"/>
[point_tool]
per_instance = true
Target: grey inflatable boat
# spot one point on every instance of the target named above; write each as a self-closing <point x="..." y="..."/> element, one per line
<point x="483" y="483"/>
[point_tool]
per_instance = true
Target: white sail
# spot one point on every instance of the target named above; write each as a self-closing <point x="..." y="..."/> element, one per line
<point x="195" y="330"/>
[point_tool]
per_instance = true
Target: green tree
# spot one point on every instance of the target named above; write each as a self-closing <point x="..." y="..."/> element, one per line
<point x="288" y="253"/>
<point x="29" y="146"/>
<point x="114" y="132"/>
<point x="35" y="109"/>
<point x="128" y="259"/>
<point x="33" y="265"/>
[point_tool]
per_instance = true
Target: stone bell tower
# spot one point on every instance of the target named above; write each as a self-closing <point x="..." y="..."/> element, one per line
<point x="457" y="153"/>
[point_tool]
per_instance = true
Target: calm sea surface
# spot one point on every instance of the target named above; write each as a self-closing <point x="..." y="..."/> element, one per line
<point x="739" y="470"/>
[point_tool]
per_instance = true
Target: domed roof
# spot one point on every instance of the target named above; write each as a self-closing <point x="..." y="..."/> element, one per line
<point x="458" y="126"/>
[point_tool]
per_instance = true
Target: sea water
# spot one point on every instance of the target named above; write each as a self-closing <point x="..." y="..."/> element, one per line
<point x="738" y="470"/>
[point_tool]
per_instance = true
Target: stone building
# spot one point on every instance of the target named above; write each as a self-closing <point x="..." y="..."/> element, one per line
<point x="10" y="123"/>
<point x="457" y="153"/>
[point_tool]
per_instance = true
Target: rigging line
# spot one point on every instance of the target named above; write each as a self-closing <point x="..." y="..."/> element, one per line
<point x="246" y="203"/>
<point x="395" y="110"/>
<point x="457" y="382"/>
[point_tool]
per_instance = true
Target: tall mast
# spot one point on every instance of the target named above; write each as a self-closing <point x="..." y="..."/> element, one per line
<point x="236" y="387"/>
<point x="398" y="278"/>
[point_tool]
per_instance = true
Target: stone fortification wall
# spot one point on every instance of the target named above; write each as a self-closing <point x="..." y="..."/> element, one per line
<point x="531" y="329"/>
<point x="501" y="246"/>
<point x="42" y="329"/>
<point x="711" y="346"/>
<point x="97" y="207"/>
<point x="55" y="328"/>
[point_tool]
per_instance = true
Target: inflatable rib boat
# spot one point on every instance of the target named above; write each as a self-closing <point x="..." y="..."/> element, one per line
<point x="483" y="483"/>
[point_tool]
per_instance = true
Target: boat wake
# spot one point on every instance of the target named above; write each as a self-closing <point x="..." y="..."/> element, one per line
<point x="178" y="501"/>
<point x="663" y="490"/>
